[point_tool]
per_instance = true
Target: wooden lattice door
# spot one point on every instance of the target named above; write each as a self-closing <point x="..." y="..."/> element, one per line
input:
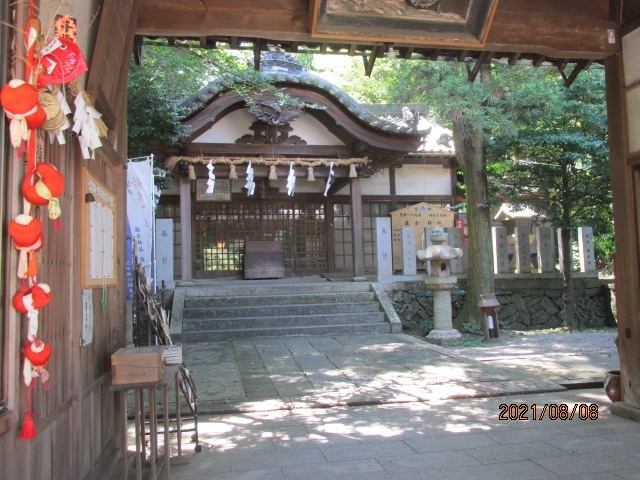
<point x="220" y="230"/>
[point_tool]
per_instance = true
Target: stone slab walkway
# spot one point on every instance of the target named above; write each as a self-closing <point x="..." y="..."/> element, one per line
<point x="437" y="440"/>
<point x="263" y="374"/>
<point x="395" y="407"/>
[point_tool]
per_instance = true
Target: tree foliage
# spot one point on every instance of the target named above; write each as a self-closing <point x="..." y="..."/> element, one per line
<point x="506" y="109"/>
<point x="558" y="165"/>
<point x="497" y="103"/>
<point x="169" y="75"/>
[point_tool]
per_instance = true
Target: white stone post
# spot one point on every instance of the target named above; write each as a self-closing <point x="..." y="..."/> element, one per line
<point x="523" y="250"/>
<point x="500" y="250"/>
<point x="409" y="261"/>
<point x="586" y="249"/>
<point x="546" y="250"/>
<point x="383" y="248"/>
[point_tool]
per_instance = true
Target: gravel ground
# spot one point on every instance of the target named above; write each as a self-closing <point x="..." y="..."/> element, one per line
<point x="540" y="342"/>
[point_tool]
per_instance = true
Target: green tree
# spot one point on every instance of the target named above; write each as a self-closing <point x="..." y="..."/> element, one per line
<point x="169" y="75"/>
<point x="497" y="103"/>
<point x="156" y="88"/>
<point x="558" y="165"/>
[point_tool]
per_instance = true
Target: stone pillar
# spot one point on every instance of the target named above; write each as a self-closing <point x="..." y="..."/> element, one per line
<point x="546" y="250"/>
<point x="500" y="250"/>
<point x="164" y="252"/>
<point x="455" y="241"/>
<point x="586" y="249"/>
<point x="409" y="262"/>
<point x="427" y="244"/>
<point x="523" y="250"/>
<point x="443" y="332"/>
<point x="384" y="254"/>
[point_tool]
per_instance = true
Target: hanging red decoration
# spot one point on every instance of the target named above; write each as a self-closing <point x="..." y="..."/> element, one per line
<point x="25" y="300"/>
<point x="62" y="62"/>
<point x="43" y="186"/>
<point x="28" y="431"/>
<point x="25" y="231"/>
<point x="38" y="353"/>
<point x="20" y="102"/>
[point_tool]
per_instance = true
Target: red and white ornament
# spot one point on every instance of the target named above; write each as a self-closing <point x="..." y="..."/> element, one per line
<point x="36" y="356"/>
<point x="20" y="102"/>
<point x="43" y="186"/>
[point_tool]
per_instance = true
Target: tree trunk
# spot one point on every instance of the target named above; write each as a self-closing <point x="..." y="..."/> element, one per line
<point x="567" y="279"/>
<point x="470" y="152"/>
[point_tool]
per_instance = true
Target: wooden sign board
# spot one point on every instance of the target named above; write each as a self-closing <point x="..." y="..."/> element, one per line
<point x="419" y="217"/>
<point x="98" y="234"/>
<point x="221" y="191"/>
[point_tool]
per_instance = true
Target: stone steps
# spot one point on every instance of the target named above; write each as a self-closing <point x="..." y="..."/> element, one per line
<point x="208" y="313"/>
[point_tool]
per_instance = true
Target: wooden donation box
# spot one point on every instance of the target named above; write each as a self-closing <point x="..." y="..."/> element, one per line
<point x="133" y="365"/>
<point x="263" y="259"/>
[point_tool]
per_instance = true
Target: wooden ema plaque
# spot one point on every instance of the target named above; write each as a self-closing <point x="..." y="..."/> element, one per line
<point x="419" y="217"/>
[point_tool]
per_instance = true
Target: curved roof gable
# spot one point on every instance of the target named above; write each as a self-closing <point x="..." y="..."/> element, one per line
<point x="364" y="133"/>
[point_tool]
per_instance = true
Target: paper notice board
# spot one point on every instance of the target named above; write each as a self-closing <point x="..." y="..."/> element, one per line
<point x="98" y="234"/>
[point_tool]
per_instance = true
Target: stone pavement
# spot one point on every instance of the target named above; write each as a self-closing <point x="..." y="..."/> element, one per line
<point x="300" y="372"/>
<point x="435" y="440"/>
<point x="394" y="407"/>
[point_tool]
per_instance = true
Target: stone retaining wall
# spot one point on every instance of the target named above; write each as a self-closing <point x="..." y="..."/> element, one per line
<point x="527" y="302"/>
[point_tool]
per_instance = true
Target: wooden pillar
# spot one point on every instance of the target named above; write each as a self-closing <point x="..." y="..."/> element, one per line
<point x="623" y="174"/>
<point x="356" y="229"/>
<point x="186" y="228"/>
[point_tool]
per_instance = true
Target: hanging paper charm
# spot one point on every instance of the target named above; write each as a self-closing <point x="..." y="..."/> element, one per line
<point x="250" y="185"/>
<point x="328" y="184"/>
<point x="212" y="178"/>
<point x="86" y="126"/>
<point x="291" y="180"/>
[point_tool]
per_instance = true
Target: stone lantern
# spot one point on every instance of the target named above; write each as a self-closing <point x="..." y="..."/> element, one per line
<point x="440" y="282"/>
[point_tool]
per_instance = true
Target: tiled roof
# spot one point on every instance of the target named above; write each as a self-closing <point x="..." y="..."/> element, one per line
<point x="281" y="68"/>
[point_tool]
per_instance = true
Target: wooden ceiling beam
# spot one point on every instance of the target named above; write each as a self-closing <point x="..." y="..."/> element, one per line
<point x="554" y="28"/>
<point x="579" y="67"/>
<point x="376" y="50"/>
<point x="513" y="58"/>
<point x="257" y="52"/>
<point x="485" y="57"/>
<point x="137" y="49"/>
<point x="538" y="60"/>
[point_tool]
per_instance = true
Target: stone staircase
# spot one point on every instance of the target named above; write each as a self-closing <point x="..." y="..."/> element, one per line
<point x="262" y="308"/>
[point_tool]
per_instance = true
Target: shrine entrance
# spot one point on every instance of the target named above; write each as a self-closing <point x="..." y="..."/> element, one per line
<point x="220" y="230"/>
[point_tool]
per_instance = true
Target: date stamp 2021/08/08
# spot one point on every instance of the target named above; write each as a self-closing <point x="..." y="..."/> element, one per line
<point x="552" y="411"/>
